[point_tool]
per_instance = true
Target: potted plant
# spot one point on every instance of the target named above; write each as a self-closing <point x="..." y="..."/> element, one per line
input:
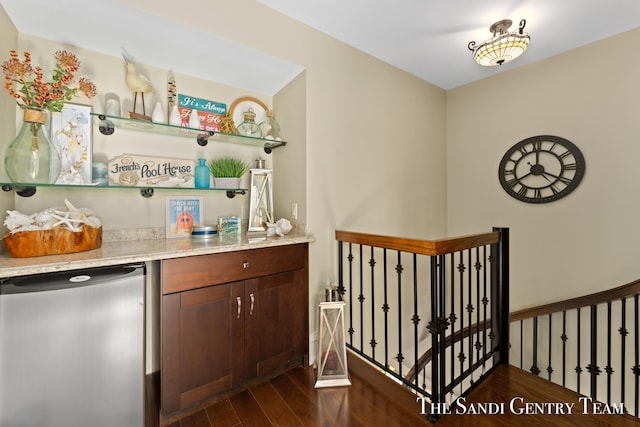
<point x="227" y="171"/>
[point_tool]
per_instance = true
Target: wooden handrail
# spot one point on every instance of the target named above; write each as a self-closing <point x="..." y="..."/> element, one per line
<point x="423" y="247"/>
<point x="573" y="303"/>
<point x="570" y="304"/>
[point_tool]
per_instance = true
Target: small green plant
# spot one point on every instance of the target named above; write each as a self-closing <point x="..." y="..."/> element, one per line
<point x="228" y="167"/>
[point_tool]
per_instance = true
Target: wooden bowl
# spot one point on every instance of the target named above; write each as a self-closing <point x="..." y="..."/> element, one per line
<point x="52" y="242"/>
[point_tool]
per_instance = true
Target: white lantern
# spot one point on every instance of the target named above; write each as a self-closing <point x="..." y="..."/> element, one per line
<point x="332" y="351"/>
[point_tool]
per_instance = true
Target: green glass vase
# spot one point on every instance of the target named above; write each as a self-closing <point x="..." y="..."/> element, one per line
<point x="31" y="158"/>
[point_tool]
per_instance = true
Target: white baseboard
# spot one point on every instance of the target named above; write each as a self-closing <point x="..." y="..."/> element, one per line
<point x="313" y="347"/>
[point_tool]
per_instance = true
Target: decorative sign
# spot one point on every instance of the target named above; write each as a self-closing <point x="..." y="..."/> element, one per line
<point x="71" y="135"/>
<point x="201" y="104"/>
<point x="137" y="170"/>
<point x="209" y="112"/>
<point x="208" y="121"/>
<point x="183" y="213"/>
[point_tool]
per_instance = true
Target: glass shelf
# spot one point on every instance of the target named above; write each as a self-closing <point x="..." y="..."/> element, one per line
<point x="28" y="190"/>
<point x="108" y="124"/>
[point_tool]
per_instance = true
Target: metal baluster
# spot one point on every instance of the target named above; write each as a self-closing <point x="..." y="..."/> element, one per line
<point x="452" y="316"/>
<point x="534" y="368"/>
<point x="623" y="335"/>
<point x="433" y="329"/>
<point x="477" y="334"/>
<point x="470" y="307"/>
<point x="564" y="338"/>
<point x="578" y="368"/>
<point x="415" y="319"/>
<point x="361" y="300"/>
<point x="485" y="302"/>
<point x="399" y="269"/>
<point x="350" y="259"/>
<point x="461" y="355"/>
<point x="608" y="369"/>
<point x="549" y="368"/>
<point x="636" y="368"/>
<point x="385" y="309"/>
<point x="593" y="368"/>
<point x="443" y="324"/>
<point x="373" y="343"/>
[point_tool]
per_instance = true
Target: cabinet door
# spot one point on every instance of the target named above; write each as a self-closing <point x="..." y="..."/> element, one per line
<point x="276" y="328"/>
<point x="202" y="344"/>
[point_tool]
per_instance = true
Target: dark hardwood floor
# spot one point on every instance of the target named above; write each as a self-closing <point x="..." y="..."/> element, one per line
<point x="291" y="399"/>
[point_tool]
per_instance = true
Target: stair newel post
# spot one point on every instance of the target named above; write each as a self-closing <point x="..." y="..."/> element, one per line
<point x="500" y="294"/>
<point x="437" y="327"/>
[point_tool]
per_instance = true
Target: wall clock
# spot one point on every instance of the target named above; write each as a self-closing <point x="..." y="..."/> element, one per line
<point x="541" y="169"/>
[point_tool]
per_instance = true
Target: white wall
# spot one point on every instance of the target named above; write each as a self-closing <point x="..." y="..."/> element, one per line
<point x="585" y="242"/>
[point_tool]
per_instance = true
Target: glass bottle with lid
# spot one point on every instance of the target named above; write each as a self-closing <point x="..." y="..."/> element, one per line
<point x="249" y="127"/>
<point x="270" y="128"/>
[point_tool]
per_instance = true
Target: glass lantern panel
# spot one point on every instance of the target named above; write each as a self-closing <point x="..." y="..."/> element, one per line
<point x="332" y="353"/>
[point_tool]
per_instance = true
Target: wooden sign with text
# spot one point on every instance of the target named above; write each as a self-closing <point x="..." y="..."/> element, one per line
<point x="138" y="170"/>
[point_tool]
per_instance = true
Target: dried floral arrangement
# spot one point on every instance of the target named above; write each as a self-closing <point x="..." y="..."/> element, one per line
<point x="31" y="89"/>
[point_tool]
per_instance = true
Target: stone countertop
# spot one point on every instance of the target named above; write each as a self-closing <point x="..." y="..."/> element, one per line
<point x="131" y="251"/>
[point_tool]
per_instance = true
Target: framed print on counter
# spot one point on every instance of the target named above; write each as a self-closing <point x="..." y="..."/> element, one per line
<point x="71" y="135"/>
<point x="182" y="214"/>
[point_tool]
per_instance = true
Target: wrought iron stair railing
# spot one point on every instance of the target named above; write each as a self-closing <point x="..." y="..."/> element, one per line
<point x="589" y="344"/>
<point x="405" y="297"/>
<point x="565" y="331"/>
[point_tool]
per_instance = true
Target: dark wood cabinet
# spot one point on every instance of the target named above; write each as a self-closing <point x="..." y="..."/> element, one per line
<point x="228" y="319"/>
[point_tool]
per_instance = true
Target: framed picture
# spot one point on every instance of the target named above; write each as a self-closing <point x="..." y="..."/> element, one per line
<point x="71" y="135"/>
<point x="182" y="214"/>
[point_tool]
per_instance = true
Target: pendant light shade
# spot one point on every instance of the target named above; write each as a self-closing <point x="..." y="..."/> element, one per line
<point x="503" y="47"/>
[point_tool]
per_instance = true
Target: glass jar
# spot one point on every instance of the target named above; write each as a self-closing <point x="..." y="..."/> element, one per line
<point x="31" y="157"/>
<point x="249" y="127"/>
<point x="270" y="128"/>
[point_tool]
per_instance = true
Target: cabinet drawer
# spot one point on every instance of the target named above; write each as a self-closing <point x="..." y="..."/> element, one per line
<point x="181" y="274"/>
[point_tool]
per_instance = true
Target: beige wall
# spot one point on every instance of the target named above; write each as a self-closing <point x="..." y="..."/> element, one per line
<point x="375" y="135"/>
<point x="586" y="241"/>
<point x="8" y="41"/>
<point x="374" y="149"/>
<point x="368" y="146"/>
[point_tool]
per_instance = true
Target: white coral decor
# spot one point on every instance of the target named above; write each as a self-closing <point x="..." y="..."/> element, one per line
<point x="280" y="227"/>
<point x="70" y="218"/>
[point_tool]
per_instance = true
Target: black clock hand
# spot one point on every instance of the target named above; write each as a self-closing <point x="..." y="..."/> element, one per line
<point x="524" y="176"/>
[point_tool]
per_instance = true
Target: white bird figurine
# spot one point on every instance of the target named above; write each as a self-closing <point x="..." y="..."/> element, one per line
<point x="137" y="83"/>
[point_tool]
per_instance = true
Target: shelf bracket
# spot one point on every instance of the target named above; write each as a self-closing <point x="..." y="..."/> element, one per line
<point x="106" y="127"/>
<point x="232" y="193"/>
<point x="269" y="147"/>
<point x="20" y="191"/>
<point x="203" y="138"/>
<point x="146" y="192"/>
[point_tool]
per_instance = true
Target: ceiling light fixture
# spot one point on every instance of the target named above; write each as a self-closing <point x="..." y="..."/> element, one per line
<point x="503" y="46"/>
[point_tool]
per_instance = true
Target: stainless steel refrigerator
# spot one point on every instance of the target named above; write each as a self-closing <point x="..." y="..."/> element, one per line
<point x="72" y="349"/>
